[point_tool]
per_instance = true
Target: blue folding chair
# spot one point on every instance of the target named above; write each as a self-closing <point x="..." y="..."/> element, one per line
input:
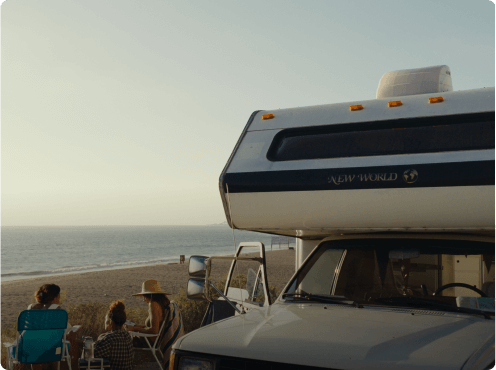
<point x="40" y="338"/>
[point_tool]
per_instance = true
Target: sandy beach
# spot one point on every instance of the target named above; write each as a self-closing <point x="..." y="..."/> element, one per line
<point x="107" y="286"/>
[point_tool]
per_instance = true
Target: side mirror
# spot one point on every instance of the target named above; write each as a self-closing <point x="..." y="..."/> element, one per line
<point x="198" y="266"/>
<point x="196" y="289"/>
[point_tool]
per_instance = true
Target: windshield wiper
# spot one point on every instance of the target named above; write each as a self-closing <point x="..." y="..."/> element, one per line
<point x="422" y="303"/>
<point x="323" y="298"/>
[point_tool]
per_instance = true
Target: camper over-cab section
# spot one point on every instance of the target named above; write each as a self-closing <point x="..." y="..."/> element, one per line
<point x="422" y="161"/>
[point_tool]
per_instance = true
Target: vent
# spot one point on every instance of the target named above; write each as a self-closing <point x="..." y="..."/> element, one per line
<point x="415" y="81"/>
<point x="422" y="312"/>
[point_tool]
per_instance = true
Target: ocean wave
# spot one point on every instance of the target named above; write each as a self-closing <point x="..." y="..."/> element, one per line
<point x="99" y="266"/>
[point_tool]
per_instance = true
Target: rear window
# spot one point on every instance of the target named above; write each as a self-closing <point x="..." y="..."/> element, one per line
<point x="405" y="136"/>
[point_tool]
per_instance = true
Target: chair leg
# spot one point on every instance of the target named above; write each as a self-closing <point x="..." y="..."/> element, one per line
<point x="158" y="362"/>
<point x="10" y="360"/>
<point x="66" y="356"/>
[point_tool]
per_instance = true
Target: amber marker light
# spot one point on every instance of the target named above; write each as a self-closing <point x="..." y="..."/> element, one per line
<point x="437" y="99"/>
<point x="268" y="116"/>
<point x="395" y="103"/>
<point x="356" y="107"/>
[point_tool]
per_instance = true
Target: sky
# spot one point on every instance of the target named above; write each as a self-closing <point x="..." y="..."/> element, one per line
<point x="123" y="112"/>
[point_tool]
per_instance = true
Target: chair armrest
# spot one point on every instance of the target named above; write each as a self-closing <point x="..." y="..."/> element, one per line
<point x="74" y="328"/>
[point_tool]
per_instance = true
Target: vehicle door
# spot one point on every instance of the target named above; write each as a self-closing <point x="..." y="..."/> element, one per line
<point x="246" y="283"/>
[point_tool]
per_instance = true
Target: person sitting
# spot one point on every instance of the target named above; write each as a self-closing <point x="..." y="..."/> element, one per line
<point x="160" y="308"/>
<point x="48" y="297"/>
<point x="116" y="344"/>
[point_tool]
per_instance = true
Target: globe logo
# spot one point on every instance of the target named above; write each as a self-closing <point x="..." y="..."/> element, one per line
<point x="410" y="176"/>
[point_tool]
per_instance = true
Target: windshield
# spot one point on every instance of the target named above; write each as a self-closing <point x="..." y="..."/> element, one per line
<point x="434" y="274"/>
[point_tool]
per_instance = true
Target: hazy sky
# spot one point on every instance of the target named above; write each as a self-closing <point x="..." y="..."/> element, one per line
<point x="125" y="112"/>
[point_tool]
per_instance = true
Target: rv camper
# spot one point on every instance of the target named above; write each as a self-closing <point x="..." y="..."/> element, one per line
<point x="392" y="204"/>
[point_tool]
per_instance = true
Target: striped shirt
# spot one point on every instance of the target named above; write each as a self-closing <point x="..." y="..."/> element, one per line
<point x="173" y="330"/>
<point x="117" y="346"/>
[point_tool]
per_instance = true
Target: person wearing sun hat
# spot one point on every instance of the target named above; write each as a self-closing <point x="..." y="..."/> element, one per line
<point x="160" y="308"/>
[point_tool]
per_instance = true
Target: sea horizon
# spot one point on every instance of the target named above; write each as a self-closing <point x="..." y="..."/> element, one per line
<point x="72" y="249"/>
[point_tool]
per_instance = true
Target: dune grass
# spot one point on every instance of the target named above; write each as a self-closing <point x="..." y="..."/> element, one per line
<point x="91" y="317"/>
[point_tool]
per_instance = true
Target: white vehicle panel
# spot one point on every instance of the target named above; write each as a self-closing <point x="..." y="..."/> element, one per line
<point x="470" y="207"/>
<point x="342" y="337"/>
<point x="455" y="102"/>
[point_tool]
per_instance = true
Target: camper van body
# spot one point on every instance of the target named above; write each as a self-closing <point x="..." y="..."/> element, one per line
<point x="309" y="198"/>
<point x="385" y="216"/>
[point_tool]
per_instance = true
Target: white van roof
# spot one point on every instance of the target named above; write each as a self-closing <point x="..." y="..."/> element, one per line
<point x="454" y="102"/>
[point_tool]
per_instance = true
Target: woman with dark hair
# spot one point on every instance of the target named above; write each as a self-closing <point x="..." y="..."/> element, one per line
<point x="116" y="344"/>
<point x="160" y="309"/>
<point x="46" y="296"/>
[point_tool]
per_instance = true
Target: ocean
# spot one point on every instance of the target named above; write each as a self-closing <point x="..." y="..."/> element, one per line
<point x="29" y="252"/>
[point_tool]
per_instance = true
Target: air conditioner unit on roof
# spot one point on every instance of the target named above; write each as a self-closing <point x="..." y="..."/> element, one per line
<point x="415" y="81"/>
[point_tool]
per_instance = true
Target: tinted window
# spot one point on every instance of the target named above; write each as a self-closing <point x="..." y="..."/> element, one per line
<point x="406" y="136"/>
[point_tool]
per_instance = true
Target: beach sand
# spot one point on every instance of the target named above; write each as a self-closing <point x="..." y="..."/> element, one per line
<point x="107" y="286"/>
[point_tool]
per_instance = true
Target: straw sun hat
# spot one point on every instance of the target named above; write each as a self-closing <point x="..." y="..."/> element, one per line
<point x="150" y="287"/>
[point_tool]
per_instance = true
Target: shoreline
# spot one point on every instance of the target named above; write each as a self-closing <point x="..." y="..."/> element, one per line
<point x="35" y="275"/>
<point x="88" y="269"/>
<point x="71" y="270"/>
<point x="107" y="286"/>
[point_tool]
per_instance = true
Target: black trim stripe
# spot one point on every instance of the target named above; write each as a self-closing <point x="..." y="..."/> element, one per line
<point x="476" y="173"/>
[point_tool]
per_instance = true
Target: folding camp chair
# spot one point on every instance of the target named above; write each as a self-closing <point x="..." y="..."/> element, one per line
<point x="153" y="348"/>
<point x="40" y="338"/>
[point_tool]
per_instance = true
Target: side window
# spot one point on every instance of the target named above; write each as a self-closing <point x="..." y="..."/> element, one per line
<point x="246" y="284"/>
<point x="320" y="276"/>
<point x="464" y="132"/>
